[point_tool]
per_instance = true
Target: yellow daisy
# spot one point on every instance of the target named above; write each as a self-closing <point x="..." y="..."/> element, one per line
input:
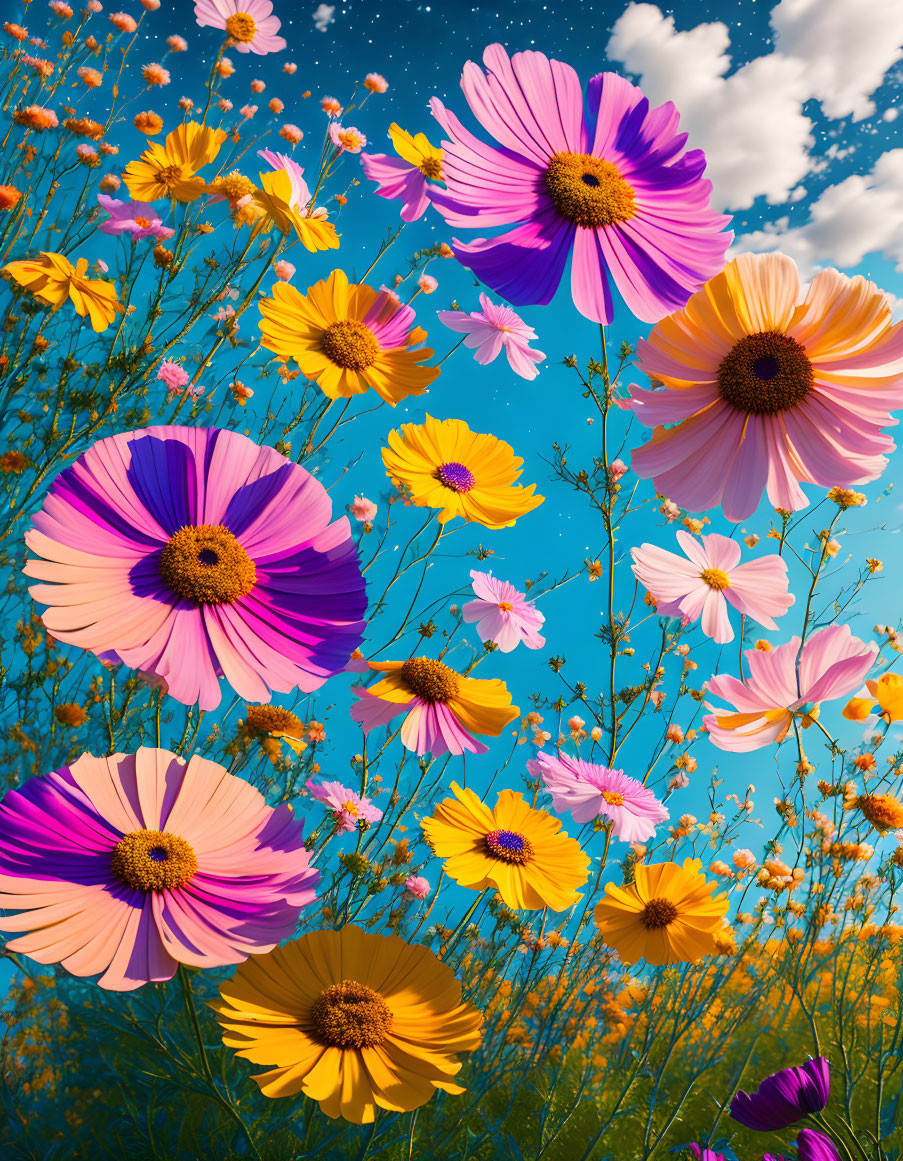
<point x="417" y="150"/>
<point x="348" y="337"/>
<point x="168" y="171"/>
<point x="519" y="851"/>
<point x="666" y="915"/>
<point x="52" y="278"/>
<point x="351" y="1019"/>
<point x="283" y="206"/>
<point x="443" y="464"/>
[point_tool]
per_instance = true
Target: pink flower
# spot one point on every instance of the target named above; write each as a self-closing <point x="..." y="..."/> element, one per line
<point x="139" y="219"/>
<point x="406" y="176"/>
<point x="94" y="6"/>
<point x="348" y="808"/>
<point x="711" y="579"/>
<point x="363" y="509"/>
<point x="248" y="23"/>
<point x="177" y="43"/>
<point x="589" y="792"/>
<point x="248" y="111"/>
<point x="283" y="270"/>
<point x="502" y="614"/>
<point x="173" y="375"/>
<point x="346" y="139"/>
<point x="493" y="329"/>
<point x="427" y="283"/>
<point x="375" y="83"/>
<point x="331" y="107"/>
<point x="290" y="67"/>
<point x="417" y="886"/>
<point x="787" y="683"/>
<point x="616" y="469"/>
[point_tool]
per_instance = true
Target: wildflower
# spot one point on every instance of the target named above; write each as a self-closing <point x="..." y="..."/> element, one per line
<point x="407" y="176"/>
<point x="80" y="862"/>
<point x="427" y="283"/>
<point x="84" y="127"/>
<point x="785" y="684"/>
<point x="348" y="337"/>
<point x="291" y="133"/>
<point x="36" y="118"/>
<point x="177" y="43"/>
<point x="224" y="68"/>
<point x="883" y="811"/>
<point x="87" y="155"/>
<point x="249" y="24"/>
<point x="280" y="609"/>
<point x="61" y="9"/>
<point x="284" y="201"/>
<point x="744" y="860"/>
<point x="331" y="107"/>
<point x="760" y="388"/>
<point x="155" y="74"/>
<point x="275" y="106"/>
<point x="443" y="464"/>
<point x="90" y="77"/>
<point x="258" y="86"/>
<point x="53" y="279"/>
<point x="874" y="565"/>
<point x="417" y="886"/>
<point x="148" y="123"/>
<point x="442" y="708"/>
<point x="70" y="714"/>
<point x="134" y="218"/>
<point x="375" y="83"/>
<point x="346" y="140"/>
<point x="170" y="170"/>
<point x="163" y="257"/>
<point x="16" y="31"/>
<point x="519" y="851"/>
<point x="283" y="270"/>
<point x="240" y="393"/>
<point x="151" y="5"/>
<point x="371" y="998"/>
<point x="502" y="614"/>
<point x="248" y="111"/>
<point x="349" y="809"/>
<point x="110" y="183"/>
<point x="588" y="791"/>
<point x="123" y="22"/>
<point x="493" y="329"/>
<point x="173" y="375"/>
<point x="785" y="1097"/>
<point x="886" y="691"/>
<point x="668" y="914"/>
<point x="9" y="197"/>
<point x="13" y="463"/>
<point x="363" y="509"/>
<point x="844" y="498"/>
<point x="41" y="68"/>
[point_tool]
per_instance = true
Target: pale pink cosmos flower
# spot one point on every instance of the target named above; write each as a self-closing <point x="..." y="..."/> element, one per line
<point x="363" y="509"/>
<point x="588" y="791"/>
<point x="710" y="579"/>
<point x="417" y="886"/>
<point x="250" y="24"/>
<point x="348" y="808"/>
<point x="346" y="139"/>
<point x="173" y="375"/>
<point x="427" y="283"/>
<point x="139" y="219"/>
<point x="493" y="329"/>
<point x="283" y="270"/>
<point x="787" y="683"/>
<point x="502" y="614"/>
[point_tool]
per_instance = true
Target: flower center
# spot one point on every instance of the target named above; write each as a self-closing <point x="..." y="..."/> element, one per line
<point x="716" y="578"/>
<point x="431" y="167"/>
<point x="505" y="607"/>
<point x="241" y="27"/>
<point x="429" y="680"/>
<point x="765" y="373"/>
<point x="612" y="797"/>
<point x="350" y="1015"/>
<point x="350" y="344"/>
<point x="589" y="191"/>
<point x="142" y="222"/>
<point x="349" y="807"/>
<point x="509" y="846"/>
<point x="273" y="719"/>
<point x="152" y="860"/>
<point x="169" y="176"/>
<point x="658" y="913"/>
<point x="204" y="563"/>
<point x="883" y="811"/>
<point x="455" y="476"/>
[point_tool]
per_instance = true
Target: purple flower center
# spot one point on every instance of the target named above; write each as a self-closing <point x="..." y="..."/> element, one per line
<point x="455" y="476"/>
<point x="158" y="855"/>
<point x="509" y="846"/>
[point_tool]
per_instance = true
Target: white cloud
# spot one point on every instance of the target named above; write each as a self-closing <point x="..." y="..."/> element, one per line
<point x="751" y="123"/>
<point x="324" y="16"/>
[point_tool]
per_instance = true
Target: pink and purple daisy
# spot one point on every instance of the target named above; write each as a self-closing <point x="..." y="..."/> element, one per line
<point x="250" y="24"/>
<point x="609" y="183"/>
<point x="502" y="614"/>
<point x="348" y="808"/>
<point x="493" y="329"/>
<point x="135" y="218"/>
<point x="194" y="554"/>
<point x="125" y="867"/>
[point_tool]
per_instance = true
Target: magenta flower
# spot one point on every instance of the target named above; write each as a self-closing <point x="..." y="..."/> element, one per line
<point x="710" y="579"/>
<point x="786" y="684"/>
<point x="494" y="329"/>
<point x="587" y="792"/>
<point x="173" y="375"/>
<point x="610" y="183"/>
<point x="249" y="23"/>
<point x="135" y="218"/>
<point x="784" y="1098"/>
<point x="417" y="886"/>
<point x="133" y="864"/>
<point x="502" y="614"/>
<point x="348" y="808"/>
<point x="194" y="554"/>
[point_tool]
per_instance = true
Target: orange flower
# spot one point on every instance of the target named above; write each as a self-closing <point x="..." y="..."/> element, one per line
<point x="123" y="22"/>
<point x="15" y="30"/>
<point x="9" y="197"/>
<point x="84" y="127"/>
<point x="155" y="74"/>
<point x="52" y="279"/>
<point x="36" y="117"/>
<point x="375" y="83"/>
<point x="90" y="77"/>
<point x="148" y="123"/>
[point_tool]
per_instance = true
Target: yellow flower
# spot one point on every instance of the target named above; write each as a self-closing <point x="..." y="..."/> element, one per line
<point x="348" y="337"/>
<point x="887" y="691"/>
<point x="351" y="1019"/>
<point x="666" y="915"/>
<point x="52" y="278"/>
<point x="284" y="206"/>
<point x="417" y="151"/>
<point x="443" y="464"/>
<point x="168" y="171"/>
<point x="515" y="849"/>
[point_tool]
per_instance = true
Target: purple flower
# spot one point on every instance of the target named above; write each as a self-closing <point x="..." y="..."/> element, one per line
<point x="700" y="1153"/>
<point x="814" y="1146"/>
<point x="136" y="218"/>
<point x="784" y="1098"/>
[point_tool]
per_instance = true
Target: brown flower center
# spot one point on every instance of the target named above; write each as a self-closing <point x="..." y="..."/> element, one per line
<point x="273" y="719"/>
<point x="241" y="27"/>
<point x="429" y="680"/>
<point x="589" y="191"/>
<point x="658" y="913"/>
<point x="204" y="563"/>
<point x="883" y="811"/>
<point x="765" y="373"/>
<point x="350" y="1015"/>
<point x="152" y="860"/>
<point x="612" y="797"/>
<point x="509" y="846"/>
<point x="716" y="578"/>
<point x="431" y="167"/>
<point x="350" y="344"/>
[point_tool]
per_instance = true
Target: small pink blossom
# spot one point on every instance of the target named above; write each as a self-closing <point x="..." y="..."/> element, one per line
<point x="290" y="67"/>
<point x="248" y="111"/>
<point x="102" y="266"/>
<point x="173" y="375"/>
<point x="346" y="139"/>
<point x="502" y="614"/>
<point x="177" y="43"/>
<point x="331" y="107"/>
<point x="61" y="9"/>
<point x="94" y="6"/>
<point x="492" y="329"/>
<point x="363" y="509"/>
<point x="258" y="86"/>
<point x="283" y="270"/>
<point x="151" y="5"/>
<point x="417" y="886"/>
<point x="744" y="860"/>
<point x="616" y="469"/>
<point x="679" y="782"/>
<point x="375" y="82"/>
<point x="348" y="808"/>
<point x="427" y="283"/>
<point x="670" y="511"/>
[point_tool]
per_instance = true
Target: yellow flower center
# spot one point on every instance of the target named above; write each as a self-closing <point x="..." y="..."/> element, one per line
<point x="142" y="222"/>
<point x="350" y="344"/>
<point x="169" y="176"/>
<point x="589" y="191"/>
<point x="509" y="845"/>
<point x="431" y="167"/>
<point x="505" y="606"/>
<point x="349" y="807"/>
<point x="883" y="811"/>
<point x="658" y="913"/>
<point x="350" y="1015"/>
<point x="429" y="680"/>
<point x="715" y="578"/>
<point x="204" y="563"/>
<point x="241" y="27"/>
<point x="612" y="797"/>
<point x="272" y="719"/>
<point x="152" y="860"/>
<point x="765" y="373"/>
